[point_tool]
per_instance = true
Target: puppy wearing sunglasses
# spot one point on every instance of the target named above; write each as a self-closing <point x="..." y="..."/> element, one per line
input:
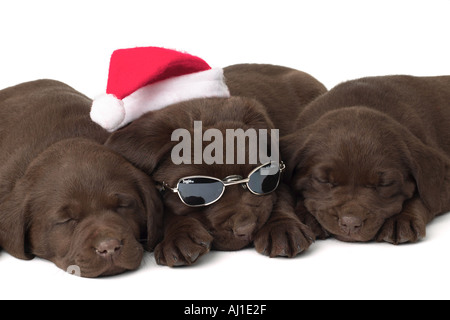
<point x="224" y="206"/>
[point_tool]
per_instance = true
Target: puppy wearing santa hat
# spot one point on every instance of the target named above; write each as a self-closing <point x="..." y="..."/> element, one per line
<point x="152" y="92"/>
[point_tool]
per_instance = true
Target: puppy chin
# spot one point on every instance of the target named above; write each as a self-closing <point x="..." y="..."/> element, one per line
<point x="347" y="238"/>
<point x="357" y="237"/>
<point x="230" y="243"/>
<point x="111" y="271"/>
<point x="93" y="266"/>
<point x="104" y="269"/>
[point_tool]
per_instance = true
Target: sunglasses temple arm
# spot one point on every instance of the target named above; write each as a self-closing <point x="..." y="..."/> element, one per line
<point x="165" y="187"/>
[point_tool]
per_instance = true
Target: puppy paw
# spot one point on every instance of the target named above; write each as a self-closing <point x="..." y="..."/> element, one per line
<point x="285" y="238"/>
<point x="309" y="220"/>
<point x="316" y="227"/>
<point x="183" y="247"/>
<point x="402" y="228"/>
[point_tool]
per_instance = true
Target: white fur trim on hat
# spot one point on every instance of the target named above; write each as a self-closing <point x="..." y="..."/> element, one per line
<point x="113" y="114"/>
<point x="108" y="111"/>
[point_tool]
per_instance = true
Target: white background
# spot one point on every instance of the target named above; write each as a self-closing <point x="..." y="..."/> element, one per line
<point x="71" y="41"/>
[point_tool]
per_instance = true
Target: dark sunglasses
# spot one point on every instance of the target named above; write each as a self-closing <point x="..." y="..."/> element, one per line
<point x="200" y="191"/>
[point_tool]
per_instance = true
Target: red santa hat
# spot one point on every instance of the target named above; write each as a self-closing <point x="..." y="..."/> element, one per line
<point x="147" y="79"/>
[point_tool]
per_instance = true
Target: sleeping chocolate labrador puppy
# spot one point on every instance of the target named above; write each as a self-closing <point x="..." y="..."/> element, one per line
<point x="370" y="160"/>
<point x="64" y="196"/>
<point x="223" y="206"/>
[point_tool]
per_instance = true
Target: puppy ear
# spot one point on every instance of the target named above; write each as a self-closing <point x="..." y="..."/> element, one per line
<point x="154" y="208"/>
<point x="293" y="152"/>
<point x="254" y="114"/>
<point x="290" y="153"/>
<point x="431" y="170"/>
<point x="14" y="220"/>
<point x="144" y="142"/>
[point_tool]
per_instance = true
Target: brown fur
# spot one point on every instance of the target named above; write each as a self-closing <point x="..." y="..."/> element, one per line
<point x="370" y="160"/>
<point x="63" y="195"/>
<point x="264" y="97"/>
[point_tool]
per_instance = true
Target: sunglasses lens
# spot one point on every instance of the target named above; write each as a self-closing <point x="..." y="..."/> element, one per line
<point x="200" y="191"/>
<point x="265" y="180"/>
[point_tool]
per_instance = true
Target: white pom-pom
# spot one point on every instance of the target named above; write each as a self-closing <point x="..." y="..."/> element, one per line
<point x="108" y="111"/>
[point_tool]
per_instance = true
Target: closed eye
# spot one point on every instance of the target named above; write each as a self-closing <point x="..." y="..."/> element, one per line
<point x="386" y="184"/>
<point x="125" y="210"/>
<point x="66" y="221"/>
<point x="125" y="203"/>
<point x="326" y="182"/>
<point x="381" y="185"/>
<point x="320" y="180"/>
<point x="252" y="205"/>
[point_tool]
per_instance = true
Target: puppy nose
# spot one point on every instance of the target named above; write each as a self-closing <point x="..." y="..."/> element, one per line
<point x="244" y="231"/>
<point x="350" y="224"/>
<point x="108" y="247"/>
